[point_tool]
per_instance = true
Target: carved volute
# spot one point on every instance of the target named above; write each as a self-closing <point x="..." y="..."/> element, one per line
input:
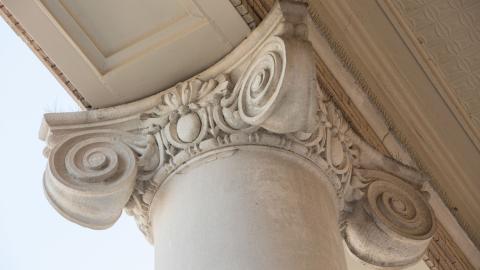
<point x="264" y="94"/>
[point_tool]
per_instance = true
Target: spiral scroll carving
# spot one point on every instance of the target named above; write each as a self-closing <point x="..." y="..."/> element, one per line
<point x="261" y="84"/>
<point x="393" y="218"/>
<point x="272" y="90"/>
<point x="400" y="209"/>
<point x="91" y="176"/>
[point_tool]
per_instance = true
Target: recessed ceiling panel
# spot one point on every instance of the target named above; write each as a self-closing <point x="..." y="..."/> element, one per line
<point x="117" y="51"/>
<point x="111" y="32"/>
<point x="113" y="25"/>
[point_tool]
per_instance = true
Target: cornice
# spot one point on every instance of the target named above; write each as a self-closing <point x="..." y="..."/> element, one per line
<point x="247" y="13"/>
<point x="443" y="254"/>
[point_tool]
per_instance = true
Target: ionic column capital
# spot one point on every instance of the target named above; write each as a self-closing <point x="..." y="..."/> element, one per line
<point x="264" y="93"/>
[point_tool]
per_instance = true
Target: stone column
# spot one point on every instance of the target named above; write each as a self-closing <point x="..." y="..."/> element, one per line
<point x="247" y="208"/>
<point x="248" y="165"/>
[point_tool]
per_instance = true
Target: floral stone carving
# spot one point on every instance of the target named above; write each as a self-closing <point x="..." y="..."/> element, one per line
<point x="264" y="93"/>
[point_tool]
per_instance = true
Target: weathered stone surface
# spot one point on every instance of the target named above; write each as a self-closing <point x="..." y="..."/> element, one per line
<point x="264" y="95"/>
<point x="247" y="208"/>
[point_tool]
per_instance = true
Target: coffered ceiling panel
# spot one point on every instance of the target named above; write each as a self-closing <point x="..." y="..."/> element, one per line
<point x="102" y="22"/>
<point x="120" y="51"/>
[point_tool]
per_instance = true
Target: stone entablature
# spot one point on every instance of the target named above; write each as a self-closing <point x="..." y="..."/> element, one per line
<point x="265" y="93"/>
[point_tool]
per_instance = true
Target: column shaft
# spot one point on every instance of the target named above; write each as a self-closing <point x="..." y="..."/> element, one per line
<point x="249" y="208"/>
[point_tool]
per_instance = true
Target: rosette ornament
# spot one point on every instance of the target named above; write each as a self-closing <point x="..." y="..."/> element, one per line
<point x="277" y="90"/>
<point x="91" y="175"/>
<point x="392" y="225"/>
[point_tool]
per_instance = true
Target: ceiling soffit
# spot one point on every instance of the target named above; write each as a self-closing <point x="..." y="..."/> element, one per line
<point x="115" y="52"/>
<point x="446" y="35"/>
<point x="110" y="33"/>
<point x="391" y="72"/>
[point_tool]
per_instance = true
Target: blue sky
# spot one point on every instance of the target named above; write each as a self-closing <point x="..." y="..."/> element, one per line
<point x="32" y="234"/>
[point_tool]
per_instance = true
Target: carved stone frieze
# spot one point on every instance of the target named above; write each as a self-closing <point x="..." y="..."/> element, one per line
<point x="264" y="93"/>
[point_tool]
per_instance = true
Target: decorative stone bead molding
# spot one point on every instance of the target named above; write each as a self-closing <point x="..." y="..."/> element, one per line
<point x="246" y="12"/>
<point x="264" y="93"/>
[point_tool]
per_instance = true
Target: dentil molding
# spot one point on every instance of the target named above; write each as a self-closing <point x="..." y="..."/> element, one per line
<point x="264" y="93"/>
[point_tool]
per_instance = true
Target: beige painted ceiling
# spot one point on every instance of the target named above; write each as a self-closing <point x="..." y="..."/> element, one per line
<point x="448" y="33"/>
<point x="114" y="52"/>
